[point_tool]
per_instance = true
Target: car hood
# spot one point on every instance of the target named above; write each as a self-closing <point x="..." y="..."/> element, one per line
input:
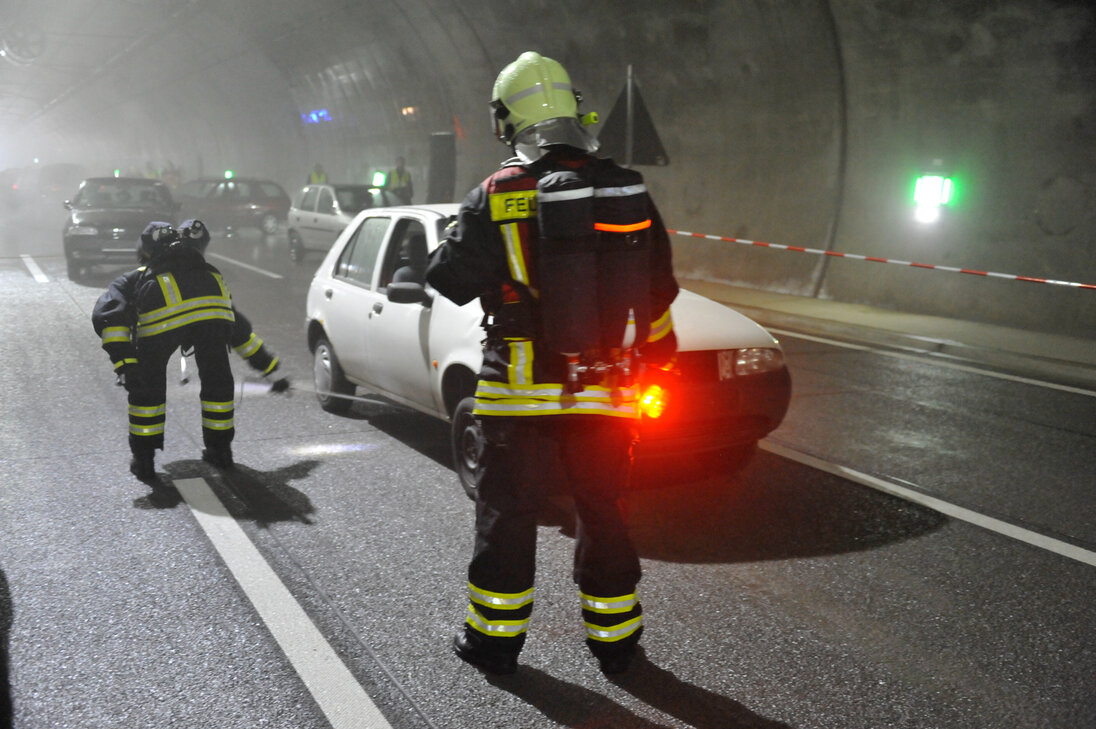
<point x="132" y="219"/>
<point x="702" y="324"/>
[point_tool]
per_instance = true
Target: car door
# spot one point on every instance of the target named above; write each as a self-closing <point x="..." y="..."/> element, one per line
<point x="397" y="336"/>
<point x="351" y="297"/>
<point x="328" y="221"/>
<point x="304" y="221"/>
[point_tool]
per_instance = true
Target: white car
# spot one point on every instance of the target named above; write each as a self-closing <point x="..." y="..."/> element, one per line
<point x="320" y="212"/>
<point x="372" y="323"/>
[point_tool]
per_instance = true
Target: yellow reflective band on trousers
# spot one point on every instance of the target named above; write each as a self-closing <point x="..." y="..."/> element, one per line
<point x="503" y="398"/>
<point x="613" y="633"/>
<point x="498" y="616"/>
<point x="250" y="347"/>
<point x="660" y="327"/>
<point x="607" y="605"/>
<point x="147" y="420"/>
<point x="217" y="415"/>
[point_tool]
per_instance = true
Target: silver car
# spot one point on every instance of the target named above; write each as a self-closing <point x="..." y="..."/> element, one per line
<point x="320" y="212"/>
<point x="373" y="323"/>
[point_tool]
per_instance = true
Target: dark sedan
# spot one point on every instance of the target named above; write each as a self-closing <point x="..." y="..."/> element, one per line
<point x="106" y="217"/>
<point x="235" y="203"/>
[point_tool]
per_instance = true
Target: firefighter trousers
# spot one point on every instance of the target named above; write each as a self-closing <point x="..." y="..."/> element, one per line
<point x="148" y="395"/>
<point x="523" y="460"/>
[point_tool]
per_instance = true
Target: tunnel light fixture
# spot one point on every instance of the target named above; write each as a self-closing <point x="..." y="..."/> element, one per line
<point x="229" y="174"/>
<point x="930" y="194"/>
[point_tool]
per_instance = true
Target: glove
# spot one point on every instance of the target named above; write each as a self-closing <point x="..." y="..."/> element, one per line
<point x="280" y="385"/>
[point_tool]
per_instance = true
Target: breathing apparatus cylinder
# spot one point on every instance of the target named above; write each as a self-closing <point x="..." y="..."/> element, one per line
<point x="623" y="226"/>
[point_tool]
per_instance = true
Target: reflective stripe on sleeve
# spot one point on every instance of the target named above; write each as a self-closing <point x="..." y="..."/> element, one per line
<point x="661" y="326"/>
<point x="114" y="335"/>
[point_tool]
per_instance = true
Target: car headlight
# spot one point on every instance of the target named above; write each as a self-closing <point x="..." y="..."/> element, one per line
<point x="755" y="360"/>
<point x="81" y="230"/>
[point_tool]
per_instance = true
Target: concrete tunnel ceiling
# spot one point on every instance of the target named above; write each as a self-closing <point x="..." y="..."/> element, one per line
<point x="802" y="122"/>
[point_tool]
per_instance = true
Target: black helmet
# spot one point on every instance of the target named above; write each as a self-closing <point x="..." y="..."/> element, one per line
<point x="156" y="239"/>
<point x="195" y="234"/>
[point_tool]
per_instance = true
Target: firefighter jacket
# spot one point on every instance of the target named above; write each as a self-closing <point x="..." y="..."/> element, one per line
<point x="163" y="297"/>
<point x="114" y="319"/>
<point x="493" y="254"/>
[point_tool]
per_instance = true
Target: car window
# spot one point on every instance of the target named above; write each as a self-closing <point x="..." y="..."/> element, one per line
<point x="121" y="193"/>
<point x="406" y="253"/>
<point x="360" y="255"/>
<point x="308" y="202"/>
<point x="196" y="188"/>
<point x="326" y="204"/>
<point x="353" y="198"/>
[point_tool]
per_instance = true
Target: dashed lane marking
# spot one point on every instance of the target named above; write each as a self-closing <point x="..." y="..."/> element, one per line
<point x="248" y="266"/>
<point x="940" y="506"/>
<point x="35" y="270"/>
<point x="341" y="698"/>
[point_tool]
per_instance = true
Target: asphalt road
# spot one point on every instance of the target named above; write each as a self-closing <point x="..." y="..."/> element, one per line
<point x="320" y="582"/>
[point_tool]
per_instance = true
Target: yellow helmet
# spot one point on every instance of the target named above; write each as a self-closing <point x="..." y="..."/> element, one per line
<point x="534" y="106"/>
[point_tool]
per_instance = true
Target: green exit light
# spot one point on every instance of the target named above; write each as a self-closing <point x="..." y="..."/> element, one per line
<point x="379" y="179"/>
<point x="229" y="174"/>
<point x="933" y="190"/>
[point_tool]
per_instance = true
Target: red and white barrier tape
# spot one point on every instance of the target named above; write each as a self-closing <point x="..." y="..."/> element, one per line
<point x="876" y="259"/>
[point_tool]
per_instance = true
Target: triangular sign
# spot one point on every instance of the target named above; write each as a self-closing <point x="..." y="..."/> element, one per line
<point x="628" y="134"/>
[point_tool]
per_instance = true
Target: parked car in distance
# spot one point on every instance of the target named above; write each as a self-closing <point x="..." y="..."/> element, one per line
<point x="106" y="217"/>
<point x="239" y="202"/>
<point x="41" y="187"/>
<point x="372" y="323"/>
<point x="320" y="212"/>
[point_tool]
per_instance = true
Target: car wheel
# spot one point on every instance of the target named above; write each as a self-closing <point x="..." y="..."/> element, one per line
<point x="76" y="272"/>
<point x="467" y="440"/>
<point x="296" y="248"/>
<point x="269" y="224"/>
<point x="331" y="385"/>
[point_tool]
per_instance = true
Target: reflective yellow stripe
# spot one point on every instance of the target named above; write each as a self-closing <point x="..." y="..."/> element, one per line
<point x="147" y="411"/>
<point x="146" y="430"/>
<point x="169" y="288"/>
<point x="496" y="628"/>
<point x="217" y="406"/>
<point x="250" y="347"/>
<point x="520" y="368"/>
<point x="273" y="364"/>
<point x="500" y="398"/>
<point x="499" y="600"/>
<point x="182" y="307"/>
<point x="612" y="633"/>
<point x="210" y="424"/>
<point x="515" y="205"/>
<point x="112" y="335"/>
<point x="515" y="257"/>
<point x="621" y="604"/>
<point x="150" y="330"/>
<point x="661" y="327"/>
<point x="613" y="228"/>
<point x="123" y="362"/>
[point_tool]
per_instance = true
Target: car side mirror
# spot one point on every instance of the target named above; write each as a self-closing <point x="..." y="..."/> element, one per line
<point x="68" y="204"/>
<point x="407" y="292"/>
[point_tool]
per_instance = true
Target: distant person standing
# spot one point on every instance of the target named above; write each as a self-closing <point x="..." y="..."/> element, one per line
<point x="317" y="176"/>
<point x="399" y="183"/>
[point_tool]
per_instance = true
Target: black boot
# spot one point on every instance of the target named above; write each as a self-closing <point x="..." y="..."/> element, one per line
<point x="486" y="659"/>
<point x="220" y="456"/>
<point x="143" y="465"/>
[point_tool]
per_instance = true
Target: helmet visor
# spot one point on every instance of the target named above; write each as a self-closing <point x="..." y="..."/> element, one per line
<point x="530" y="143"/>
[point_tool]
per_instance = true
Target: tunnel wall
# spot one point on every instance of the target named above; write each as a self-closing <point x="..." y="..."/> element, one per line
<point x="802" y="122"/>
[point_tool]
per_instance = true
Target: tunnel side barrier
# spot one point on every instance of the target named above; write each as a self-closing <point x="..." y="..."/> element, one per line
<point x="876" y="259"/>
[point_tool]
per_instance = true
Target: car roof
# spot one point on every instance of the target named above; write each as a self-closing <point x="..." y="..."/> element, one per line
<point x="441" y="210"/>
<point x="128" y="180"/>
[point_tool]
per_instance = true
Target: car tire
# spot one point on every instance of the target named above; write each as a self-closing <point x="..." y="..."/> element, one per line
<point x="269" y="224"/>
<point x="76" y="272"/>
<point x="332" y="387"/>
<point x="467" y="441"/>
<point x="296" y="248"/>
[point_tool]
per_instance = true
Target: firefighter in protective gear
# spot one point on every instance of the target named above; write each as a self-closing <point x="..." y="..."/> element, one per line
<point x="534" y="399"/>
<point x="179" y="300"/>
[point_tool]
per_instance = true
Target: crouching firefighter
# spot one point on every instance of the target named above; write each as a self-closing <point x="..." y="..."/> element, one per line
<point x="179" y="300"/>
<point x="572" y="265"/>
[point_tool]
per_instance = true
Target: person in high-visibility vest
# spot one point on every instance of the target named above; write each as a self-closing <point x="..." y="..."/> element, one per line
<point x="399" y="184"/>
<point x="179" y="300"/>
<point x="558" y="372"/>
<point x="317" y="176"/>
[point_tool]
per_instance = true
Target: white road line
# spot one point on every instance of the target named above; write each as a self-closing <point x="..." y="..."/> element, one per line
<point x="936" y="362"/>
<point x="1012" y="531"/>
<point x="248" y="266"/>
<point x="341" y="698"/>
<point x="35" y="270"/>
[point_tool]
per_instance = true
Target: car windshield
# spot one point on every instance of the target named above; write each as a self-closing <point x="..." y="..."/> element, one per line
<point x="115" y="193"/>
<point x="353" y="198"/>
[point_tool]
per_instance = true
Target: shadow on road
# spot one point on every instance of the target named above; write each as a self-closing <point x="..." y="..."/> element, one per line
<point x="263" y="497"/>
<point x="771" y="509"/>
<point x="569" y="704"/>
<point x="7" y="615"/>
